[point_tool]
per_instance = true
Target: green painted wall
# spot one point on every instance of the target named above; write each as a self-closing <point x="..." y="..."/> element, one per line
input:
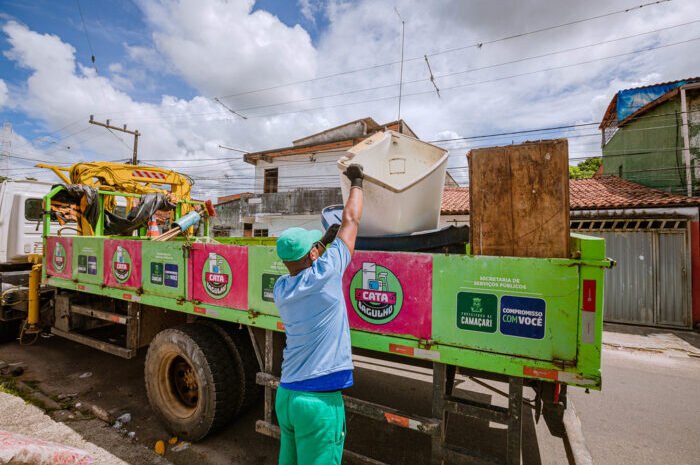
<point x="648" y="150"/>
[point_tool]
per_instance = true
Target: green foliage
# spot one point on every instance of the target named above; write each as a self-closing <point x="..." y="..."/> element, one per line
<point x="586" y="169"/>
<point x="3" y="178"/>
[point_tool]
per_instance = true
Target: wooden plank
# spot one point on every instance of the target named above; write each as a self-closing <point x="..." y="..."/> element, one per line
<point x="540" y="189"/>
<point x="490" y="202"/>
<point x="520" y="200"/>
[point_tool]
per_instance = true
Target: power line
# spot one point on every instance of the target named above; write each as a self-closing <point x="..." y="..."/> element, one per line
<point x="478" y="44"/>
<point x="87" y="37"/>
<point x="439" y="141"/>
<point x="549" y="28"/>
<point x="456" y="73"/>
<point x="469" y="84"/>
<point x="457" y="86"/>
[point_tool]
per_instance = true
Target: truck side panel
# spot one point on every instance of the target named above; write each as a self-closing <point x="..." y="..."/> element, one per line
<point x="519" y="306"/>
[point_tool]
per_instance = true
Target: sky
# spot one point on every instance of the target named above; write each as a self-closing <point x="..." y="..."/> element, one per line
<point x="174" y="68"/>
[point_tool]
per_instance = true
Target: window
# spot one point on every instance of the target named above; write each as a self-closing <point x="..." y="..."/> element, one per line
<point x="619" y="171"/>
<point x="270" y="184"/>
<point x="32" y="209"/>
<point x="247" y="229"/>
<point x="260" y="233"/>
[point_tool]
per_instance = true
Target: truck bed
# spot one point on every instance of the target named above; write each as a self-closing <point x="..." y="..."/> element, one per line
<point x="529" y="317"/>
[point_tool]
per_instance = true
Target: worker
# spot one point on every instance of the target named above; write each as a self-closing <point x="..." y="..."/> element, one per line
<point x="317" y="358"/>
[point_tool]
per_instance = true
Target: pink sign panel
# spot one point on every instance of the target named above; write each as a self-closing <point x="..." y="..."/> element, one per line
<point x="122" y="263"/>
<point x="390" y="293"/>
<point x="59" y="255"/>
<point x="219" y="275"/>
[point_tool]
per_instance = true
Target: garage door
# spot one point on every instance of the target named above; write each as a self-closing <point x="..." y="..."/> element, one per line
<point x="650" y="284"/>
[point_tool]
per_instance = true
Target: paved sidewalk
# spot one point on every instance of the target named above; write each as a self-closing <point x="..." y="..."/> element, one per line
<point x="22" y="418"/>
<point x="651" y="339"/>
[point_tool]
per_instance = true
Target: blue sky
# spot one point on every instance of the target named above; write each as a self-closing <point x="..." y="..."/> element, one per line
<point x="109" y="26"/>
<point x="162" y="62"/>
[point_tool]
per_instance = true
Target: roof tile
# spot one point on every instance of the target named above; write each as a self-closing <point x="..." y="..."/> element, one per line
<point x="603" y="193"/>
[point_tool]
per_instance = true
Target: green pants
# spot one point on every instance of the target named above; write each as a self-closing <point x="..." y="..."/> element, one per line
<point x="312" y="426"/>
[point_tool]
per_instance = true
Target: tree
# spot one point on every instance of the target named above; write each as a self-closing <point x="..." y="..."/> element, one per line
<point x="3" y="178"/>
<point x="586" y="169"/>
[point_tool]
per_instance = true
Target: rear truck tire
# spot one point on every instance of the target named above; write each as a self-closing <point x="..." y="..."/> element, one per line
<point x="188" y="374"/>
<point x="243" y="354"/>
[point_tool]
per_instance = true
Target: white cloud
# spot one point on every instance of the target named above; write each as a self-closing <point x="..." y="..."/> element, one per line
<point x="60" y="93"/>
<point x="309" y="9"/>
<point x="223" y="47"/>
<point x="3" y="93"/>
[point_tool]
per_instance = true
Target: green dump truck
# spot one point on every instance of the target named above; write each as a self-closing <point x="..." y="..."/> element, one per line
<point x="205" y="310"/>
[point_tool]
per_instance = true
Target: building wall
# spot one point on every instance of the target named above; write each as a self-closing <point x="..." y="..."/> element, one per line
<point x="306" y="171"/>
<point x="453" y="220"/>
<point x="648" y="150"/>
<point x="693" y="97"/>
<point x="264" y="209"/>
<point x="275" y="224"/>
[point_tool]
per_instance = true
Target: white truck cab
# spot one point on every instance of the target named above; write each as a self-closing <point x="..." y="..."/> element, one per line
<point x="20" y="219"/>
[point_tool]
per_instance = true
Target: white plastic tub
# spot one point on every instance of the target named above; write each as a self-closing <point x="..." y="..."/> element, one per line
<point x="404" y="179"/>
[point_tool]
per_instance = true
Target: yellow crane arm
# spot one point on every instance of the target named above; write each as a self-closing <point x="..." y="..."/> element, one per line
<point x="126" y="178"/>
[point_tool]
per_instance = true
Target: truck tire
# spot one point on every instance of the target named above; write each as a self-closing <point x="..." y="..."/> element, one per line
<point x="188" y="373"/>
<point x="241" y="350"/>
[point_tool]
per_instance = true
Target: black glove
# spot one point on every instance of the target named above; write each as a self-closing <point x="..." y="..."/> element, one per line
<point x="355" y="175"/>
<point x="330" y="234"/>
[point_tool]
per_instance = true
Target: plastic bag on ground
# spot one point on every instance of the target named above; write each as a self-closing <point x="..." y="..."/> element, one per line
<point x="18" y="449"/>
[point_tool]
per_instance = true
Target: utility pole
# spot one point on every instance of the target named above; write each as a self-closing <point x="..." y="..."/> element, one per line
<point x="135" y="133"/>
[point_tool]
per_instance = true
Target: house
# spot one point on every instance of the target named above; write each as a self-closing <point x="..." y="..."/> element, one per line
<point x="293" y="184"/>
<point x="651" y="135"/>
<point x="654" y="237"/>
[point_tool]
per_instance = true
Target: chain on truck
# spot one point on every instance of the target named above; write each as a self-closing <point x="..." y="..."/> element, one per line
<point x="127" y="257"/>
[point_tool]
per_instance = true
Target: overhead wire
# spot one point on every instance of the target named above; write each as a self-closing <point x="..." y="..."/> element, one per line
<point x="476" y="44"/>
<point x="443" y="75"/>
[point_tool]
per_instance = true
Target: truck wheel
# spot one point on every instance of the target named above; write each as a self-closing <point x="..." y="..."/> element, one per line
<point x="242" y="352"/>
<point x="188" y="374"/>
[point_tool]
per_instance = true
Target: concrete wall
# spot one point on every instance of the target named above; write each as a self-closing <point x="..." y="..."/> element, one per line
<point x="305" y="171"/>
<point x="275" y="224"/>
<point x="454" y="220"/>
<point x="269" y="211"/>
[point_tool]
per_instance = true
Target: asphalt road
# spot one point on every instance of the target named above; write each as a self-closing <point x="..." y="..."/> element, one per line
<point x="647" y="413"/>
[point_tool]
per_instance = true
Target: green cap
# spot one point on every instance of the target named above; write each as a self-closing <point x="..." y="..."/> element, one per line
<point x="294" y="243"/>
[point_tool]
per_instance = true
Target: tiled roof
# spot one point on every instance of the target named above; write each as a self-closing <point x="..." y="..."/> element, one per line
<point x="455" y="201"/>
<point x="232" y="197"/>
<point x="589" y="194"/>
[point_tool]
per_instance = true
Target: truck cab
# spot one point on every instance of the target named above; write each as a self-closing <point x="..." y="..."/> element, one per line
<point x="21" y="221"/>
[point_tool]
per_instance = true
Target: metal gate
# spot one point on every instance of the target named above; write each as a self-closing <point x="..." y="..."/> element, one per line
<point x="650" y="284"/>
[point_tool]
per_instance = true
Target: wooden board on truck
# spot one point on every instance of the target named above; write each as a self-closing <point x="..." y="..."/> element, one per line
<point x="520" y="199"/>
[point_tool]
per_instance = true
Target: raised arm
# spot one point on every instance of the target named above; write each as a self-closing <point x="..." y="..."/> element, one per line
<point x="353" y="207"/>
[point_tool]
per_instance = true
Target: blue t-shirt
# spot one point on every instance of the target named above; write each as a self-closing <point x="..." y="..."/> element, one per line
<point x="312" y="308"/>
